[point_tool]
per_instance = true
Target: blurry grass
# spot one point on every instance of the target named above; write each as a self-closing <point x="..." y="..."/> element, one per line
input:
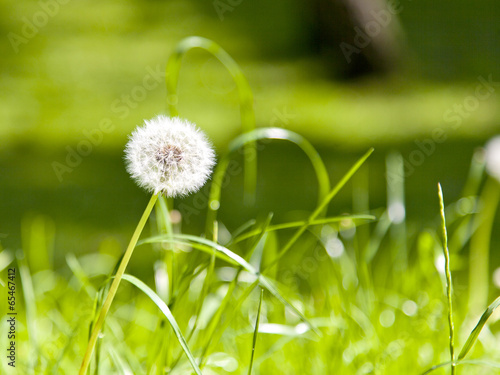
<point x="88" y="57"/>
<point x="389" y="320"/>
<point x="373" y="314"/>
<point x="68" y="76"/>
<point x="375" y="318"/>
<point x="324" y="112"/>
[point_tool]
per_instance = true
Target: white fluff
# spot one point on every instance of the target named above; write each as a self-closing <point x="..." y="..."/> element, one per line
<point x="169" y="156"/>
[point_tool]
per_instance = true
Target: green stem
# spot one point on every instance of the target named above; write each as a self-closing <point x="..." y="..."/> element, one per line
<point x="448" y="281"/>
<point x="244" y="92"/>
<point x="116" y="283"/>
<point x="480" y="248"/>
<point x="256" y="332"/>
<point x="163" y="211"/>
<point x="259" y="135"/>
<point x="320" y="209"/>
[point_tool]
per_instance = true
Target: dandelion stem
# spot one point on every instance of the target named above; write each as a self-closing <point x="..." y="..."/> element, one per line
<point x="115" y="284"/>
<point x="448" y="281"/>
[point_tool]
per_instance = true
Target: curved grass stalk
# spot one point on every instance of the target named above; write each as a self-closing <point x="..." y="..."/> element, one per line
<point x="250" y="138"/>
<point x="115" y="284"/>
<point x="224" y="253"/>
<point x="245" y="95"/>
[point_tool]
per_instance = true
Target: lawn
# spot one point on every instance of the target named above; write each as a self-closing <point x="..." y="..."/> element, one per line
<point x="358" y="295"/>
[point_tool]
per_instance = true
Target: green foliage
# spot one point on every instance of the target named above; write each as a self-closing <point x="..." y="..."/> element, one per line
<point x="351" y="294"/>
<point x="373" y="316"/>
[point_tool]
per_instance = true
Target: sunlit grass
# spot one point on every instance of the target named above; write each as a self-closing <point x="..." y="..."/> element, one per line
<point x="324" y="294"/>
<point x="387" y="321"/>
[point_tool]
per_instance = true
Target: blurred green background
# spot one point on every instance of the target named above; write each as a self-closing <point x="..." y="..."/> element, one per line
<point x="89" y="62"/>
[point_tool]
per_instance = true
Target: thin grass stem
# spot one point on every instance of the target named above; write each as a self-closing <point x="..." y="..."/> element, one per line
<point x="448" y="281"/>
<point x="256" y="332"/>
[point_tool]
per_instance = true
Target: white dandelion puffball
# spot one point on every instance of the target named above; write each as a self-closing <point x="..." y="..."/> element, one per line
<point x="492" y="157"/>
<point x="169" y="156"/>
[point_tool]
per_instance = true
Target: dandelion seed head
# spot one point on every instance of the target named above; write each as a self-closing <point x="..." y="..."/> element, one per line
<point x="169" y="156"/>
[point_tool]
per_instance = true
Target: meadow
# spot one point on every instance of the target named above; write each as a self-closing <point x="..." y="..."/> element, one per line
<point x="320" y="244"/>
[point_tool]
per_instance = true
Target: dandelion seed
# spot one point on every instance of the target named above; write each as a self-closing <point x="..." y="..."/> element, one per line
<point x="169" y="156"/>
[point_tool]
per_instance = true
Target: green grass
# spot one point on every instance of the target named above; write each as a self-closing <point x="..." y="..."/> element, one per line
<point x="370" y="315"/>
<point x="338" y="299"/>
<point x="66" y="79"/>
<point x="350" y="294"/>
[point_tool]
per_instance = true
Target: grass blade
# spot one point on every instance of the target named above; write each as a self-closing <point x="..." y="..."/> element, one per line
<point x="121" y="366"/>
<point x="296" y="224"/>
<point x="168" y="263"/>
<point x="75" y="267"/>
<point x="256" y="332"/>
<point x="243" y="228"/>
<point x="206" y="284"/>
<point x="373" y="246"/>
<point x="212" y="335"/>
<point x="250" y="138"/>
<point x="166" y="311"/>
<point x="206" y="245"/>
<point x="477" y="329"/>
<point x="30" y="306"/>
<point x="244" y="93"/>
<point x="6" y="258"/>
<point x="255" y="258"/>
<point x="266" y="283"/>
<point x="321" y="207"/>
<point x="448" y="280"/>
<point x="480" y="247"/>
<point x="489" y="364"/>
